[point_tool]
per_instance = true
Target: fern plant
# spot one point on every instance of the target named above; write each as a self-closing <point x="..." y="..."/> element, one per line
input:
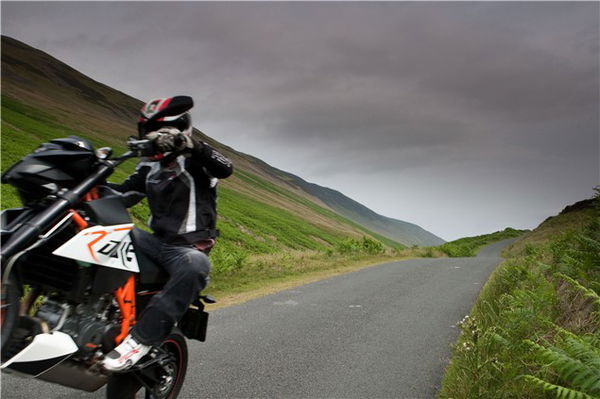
<point x="560" y="391"/>
<point x="586" y="292"/>
<point x="576" y="360"/>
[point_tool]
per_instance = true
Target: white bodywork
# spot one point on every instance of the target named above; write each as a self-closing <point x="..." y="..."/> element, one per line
<point x="108" y="246"/>
<point x="45" y="346"/>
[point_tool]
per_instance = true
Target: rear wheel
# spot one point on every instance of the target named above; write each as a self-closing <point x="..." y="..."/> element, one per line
<point x="9" y="312"/>
<point x="158" y="381"/>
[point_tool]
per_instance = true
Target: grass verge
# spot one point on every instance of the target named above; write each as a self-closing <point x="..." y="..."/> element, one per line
<point x="270" y="273"/>
<point x="238" y="276"/>
<point x="533" y="332"/>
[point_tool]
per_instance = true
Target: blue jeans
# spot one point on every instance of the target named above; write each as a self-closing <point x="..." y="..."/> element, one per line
<point x="188" y="271"/>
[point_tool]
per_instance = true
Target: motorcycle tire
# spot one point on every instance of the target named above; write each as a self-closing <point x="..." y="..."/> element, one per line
<point x="171" y="375"/>
<point x="9" y="309"/>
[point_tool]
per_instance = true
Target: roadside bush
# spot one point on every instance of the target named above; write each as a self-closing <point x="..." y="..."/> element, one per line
<point x="364" y="246"/>
<point x="468" y="246"/>
<point x="348" y="246"/>
<point x="428" y="253"/>
<point x="372" y="247"/>
<point x="227" y="259"/>
<point x="458" y="249"/>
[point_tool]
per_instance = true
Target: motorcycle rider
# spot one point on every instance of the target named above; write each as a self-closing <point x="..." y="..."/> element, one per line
<point x="180" y="184"/>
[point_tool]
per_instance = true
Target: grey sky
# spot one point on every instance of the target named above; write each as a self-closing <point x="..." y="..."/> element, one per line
<point x="464" y="118"/>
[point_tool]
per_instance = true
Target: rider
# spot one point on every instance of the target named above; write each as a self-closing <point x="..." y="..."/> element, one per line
<point x="180" y="184"/>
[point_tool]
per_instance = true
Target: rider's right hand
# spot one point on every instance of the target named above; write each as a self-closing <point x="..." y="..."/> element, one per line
<point x="170" y="139"/>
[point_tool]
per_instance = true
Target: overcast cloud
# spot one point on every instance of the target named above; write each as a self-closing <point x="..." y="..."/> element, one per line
<point x="464" y="118"/>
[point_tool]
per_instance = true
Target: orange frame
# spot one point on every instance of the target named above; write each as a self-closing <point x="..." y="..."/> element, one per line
<point x="125" y="295"/>
<point x="126" y="299"/>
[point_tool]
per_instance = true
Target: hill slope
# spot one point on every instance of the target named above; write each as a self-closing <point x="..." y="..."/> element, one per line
<point x="534" y="332"/>
<point x="398" y="230"/>
<point x="44" y="98"/>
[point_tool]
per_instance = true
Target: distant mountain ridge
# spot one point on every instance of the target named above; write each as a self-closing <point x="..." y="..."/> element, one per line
<point x="398" y="230"/>
<point x="76" y="101"/>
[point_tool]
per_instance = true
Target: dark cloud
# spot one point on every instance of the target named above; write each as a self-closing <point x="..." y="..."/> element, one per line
<point x="430" y="99"/>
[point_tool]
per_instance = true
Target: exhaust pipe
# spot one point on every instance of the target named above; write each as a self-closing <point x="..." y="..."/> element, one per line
<point x="73" y="375"/>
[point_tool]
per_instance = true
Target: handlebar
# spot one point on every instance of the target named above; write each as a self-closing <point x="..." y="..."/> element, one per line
<point x="66" y="200"/>
<point x="144" y="147"/>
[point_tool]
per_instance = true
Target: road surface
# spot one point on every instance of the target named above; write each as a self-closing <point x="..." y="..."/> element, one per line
<point x="380" y="332"/>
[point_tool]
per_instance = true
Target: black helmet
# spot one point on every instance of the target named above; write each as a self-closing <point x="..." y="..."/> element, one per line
<point x="182" y="121"/>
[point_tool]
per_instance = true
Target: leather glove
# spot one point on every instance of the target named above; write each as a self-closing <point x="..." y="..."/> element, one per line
<point x="169" y="139"/>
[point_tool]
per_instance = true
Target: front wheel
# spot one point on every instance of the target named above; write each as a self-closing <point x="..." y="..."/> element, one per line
<point x="161" y="380"/>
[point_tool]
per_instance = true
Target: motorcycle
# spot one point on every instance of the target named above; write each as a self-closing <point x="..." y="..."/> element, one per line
<point x="72" y="281"/>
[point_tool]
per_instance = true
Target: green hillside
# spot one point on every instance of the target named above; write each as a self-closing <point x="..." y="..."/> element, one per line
<point x="271" y="229"/>
<point x="398" y="230"/>
<point x="249" y="223"/>
<point x="534" y="332"/>
<point x="44" y="98"/>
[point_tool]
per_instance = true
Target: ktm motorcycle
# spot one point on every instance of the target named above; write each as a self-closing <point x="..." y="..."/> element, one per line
<point x="72" y="281"/>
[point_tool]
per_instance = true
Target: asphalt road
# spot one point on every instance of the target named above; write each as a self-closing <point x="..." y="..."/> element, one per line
<point x="381" y="332"/>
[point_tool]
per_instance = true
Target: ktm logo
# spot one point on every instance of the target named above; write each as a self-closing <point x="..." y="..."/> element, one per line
<point x="118" y="250"/>
<point x="114" y="249"/>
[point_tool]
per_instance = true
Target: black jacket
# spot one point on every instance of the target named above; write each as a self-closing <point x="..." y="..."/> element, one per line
<point x="181" y="192"/>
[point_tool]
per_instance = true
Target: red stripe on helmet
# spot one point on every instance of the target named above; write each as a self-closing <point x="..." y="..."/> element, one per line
<point x="165" y="103"/>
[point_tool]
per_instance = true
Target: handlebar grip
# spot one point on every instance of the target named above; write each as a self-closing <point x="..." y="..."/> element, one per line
<point x="144" y="147"/>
